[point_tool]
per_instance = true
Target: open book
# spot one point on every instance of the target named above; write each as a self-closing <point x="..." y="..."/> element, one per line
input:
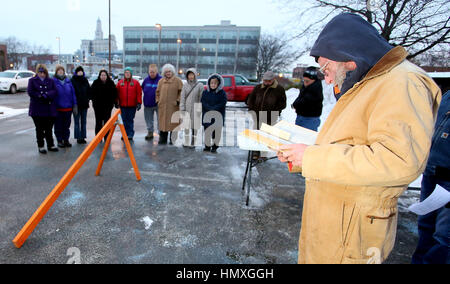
<point x="271" y="138"/>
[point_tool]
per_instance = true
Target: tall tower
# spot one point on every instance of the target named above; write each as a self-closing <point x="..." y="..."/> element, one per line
<point x="98" y="31"/>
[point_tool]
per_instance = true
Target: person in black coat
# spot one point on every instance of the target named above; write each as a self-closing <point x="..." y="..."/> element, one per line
<point x="82" y="92"/>
<point x="309" y="103"/>
<point x="214" y="101"/>
<point x="104" y="98"/>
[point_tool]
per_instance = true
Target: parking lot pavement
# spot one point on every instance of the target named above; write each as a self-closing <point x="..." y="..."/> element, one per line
<point x="188" y="208"/>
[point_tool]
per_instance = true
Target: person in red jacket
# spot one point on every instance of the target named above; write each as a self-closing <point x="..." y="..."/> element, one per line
<point x="130" y="100"/>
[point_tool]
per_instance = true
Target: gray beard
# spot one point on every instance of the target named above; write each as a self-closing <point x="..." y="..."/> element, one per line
<point x="341" y="75"/>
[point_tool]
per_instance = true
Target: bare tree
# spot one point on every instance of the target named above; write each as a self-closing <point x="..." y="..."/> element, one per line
<point x="16" y="50"/>
<point x="418" y="25"/>
<point x="19" y="49"/>
<point x="275" y="54"/>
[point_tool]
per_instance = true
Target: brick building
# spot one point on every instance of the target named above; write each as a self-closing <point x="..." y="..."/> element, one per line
<point x="3" y="57"/>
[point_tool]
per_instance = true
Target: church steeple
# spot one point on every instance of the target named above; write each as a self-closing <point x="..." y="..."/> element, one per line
<point x="99" y="31"/>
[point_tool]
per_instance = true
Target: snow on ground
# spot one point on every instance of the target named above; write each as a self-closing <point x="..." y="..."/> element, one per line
<point x="6" y="112"/>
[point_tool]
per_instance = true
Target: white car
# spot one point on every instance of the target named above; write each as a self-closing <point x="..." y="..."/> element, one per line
<point x="13" y="81"/>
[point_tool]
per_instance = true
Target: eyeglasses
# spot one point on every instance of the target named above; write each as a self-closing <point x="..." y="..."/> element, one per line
<point x="323" y="68"/>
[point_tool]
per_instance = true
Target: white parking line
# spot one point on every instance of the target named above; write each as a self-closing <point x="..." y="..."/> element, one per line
<point x="24" y="131"/>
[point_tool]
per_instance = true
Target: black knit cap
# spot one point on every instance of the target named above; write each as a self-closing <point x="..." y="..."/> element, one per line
<point x="311" y="73"/>
<point x="79" y="68"/>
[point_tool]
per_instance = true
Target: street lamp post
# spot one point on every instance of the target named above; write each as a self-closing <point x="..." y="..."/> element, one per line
<point x="59" y="47"/>
<point x="159" y="27"/>
<point x="179" y="41"/>
<point x="109" y="38"/>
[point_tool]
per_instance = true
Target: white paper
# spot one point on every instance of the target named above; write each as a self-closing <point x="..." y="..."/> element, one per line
<point x="435" y="201"/>
<point x="299" y="135"/>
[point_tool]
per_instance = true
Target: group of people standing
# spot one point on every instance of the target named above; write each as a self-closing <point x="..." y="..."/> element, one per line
<point x="53" y="102"/>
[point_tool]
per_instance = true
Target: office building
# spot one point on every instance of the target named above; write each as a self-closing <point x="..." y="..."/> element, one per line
<point x="224" y="48"/>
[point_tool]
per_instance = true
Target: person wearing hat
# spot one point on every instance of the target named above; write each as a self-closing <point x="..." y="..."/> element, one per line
<point x="82" y="92"/>
<point x="130" y="100"/>
<point x="43" y="94"/>
<point x="375" y="142"/>
<point x="267" y="101"/>
<point x="309" y="103"/>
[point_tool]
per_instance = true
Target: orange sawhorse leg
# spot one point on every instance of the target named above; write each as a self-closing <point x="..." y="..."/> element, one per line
<point x="128" y="146"/>
<point x="105" y="150"/>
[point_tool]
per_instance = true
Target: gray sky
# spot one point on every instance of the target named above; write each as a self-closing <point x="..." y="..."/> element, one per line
<point x="41" y="22"/>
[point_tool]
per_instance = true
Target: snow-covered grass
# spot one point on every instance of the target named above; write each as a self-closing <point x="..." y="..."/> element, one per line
<point x="6" y="112"/>
<point x="328" y="104"/>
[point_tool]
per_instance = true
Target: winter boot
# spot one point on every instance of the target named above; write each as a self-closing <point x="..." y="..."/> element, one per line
<point x="149" y="136"/>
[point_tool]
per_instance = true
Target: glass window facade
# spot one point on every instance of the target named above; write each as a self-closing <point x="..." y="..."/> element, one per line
<point x="210" y="49"/>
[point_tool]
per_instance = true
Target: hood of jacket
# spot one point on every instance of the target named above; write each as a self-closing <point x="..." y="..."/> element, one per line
<point x="221" y="82"/>
<point x="193" y="71"/>
<point x="348" y="37"/>
<point x="168" y="67"/>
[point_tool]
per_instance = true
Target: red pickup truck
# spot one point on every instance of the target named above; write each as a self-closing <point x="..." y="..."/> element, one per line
<point x="237" y="87"/>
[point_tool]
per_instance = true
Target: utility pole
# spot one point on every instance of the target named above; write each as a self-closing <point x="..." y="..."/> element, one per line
<point x="59" y="52"/>
<point x="179" y="41"/>
<point x="109" y="37"/>
<point x="159" y="27"/>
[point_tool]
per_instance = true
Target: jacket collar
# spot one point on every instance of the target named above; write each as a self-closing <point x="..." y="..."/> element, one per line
<point x="273" y="86"/>
<point x="388" y="62"/>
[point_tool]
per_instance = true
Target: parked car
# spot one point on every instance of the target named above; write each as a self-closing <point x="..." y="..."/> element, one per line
<point x="237" y="87"/>
<point x="13" y="81"/>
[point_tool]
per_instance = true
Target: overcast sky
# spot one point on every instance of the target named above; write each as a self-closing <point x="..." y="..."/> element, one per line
<point x="41" y="22"/>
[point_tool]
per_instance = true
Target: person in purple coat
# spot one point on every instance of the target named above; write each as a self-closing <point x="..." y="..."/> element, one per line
<point x="42" y="92"/>
<point x="66" y="104"/>
<point x="149" y="87"/>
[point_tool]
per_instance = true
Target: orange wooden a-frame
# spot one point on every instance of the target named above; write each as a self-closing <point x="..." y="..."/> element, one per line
<point x="108" y="129"/>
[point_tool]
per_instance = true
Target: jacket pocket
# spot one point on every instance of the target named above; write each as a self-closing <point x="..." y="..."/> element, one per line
<point x="379" y="228"/>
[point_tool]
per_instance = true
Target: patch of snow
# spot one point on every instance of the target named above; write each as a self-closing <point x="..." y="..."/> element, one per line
<point x="417" y="183"/>
<point x="6" y="112"/>
<point x="147" y="222"/>
<point x="409" y="198"/>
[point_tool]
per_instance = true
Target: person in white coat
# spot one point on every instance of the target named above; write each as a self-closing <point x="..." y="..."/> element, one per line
<point x="190" y="103"/>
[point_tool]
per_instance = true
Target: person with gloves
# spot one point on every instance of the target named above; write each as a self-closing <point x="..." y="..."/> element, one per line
<point x="66" y="104"/>
<point x="130" y="100"/>
<point x="43" y="94"/>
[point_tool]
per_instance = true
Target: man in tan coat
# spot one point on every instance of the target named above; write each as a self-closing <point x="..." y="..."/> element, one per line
<point x="375" y="142"/>
<point x="168" y="99"/>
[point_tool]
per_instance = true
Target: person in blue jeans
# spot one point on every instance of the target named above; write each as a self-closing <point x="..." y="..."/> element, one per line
<point x="66" y="104"/>
<point x="149" y="87"/>
<point x="309" y="103"/>
<point x="83" y="93"/>
<point x="434" y="235"/>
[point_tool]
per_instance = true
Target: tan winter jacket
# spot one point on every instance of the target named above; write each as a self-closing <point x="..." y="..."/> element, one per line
<point x="168" y="99"/>
<point x="374" y="144"/>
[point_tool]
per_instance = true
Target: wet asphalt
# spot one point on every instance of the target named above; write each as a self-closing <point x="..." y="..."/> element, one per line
<point x="189" y="207"/>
